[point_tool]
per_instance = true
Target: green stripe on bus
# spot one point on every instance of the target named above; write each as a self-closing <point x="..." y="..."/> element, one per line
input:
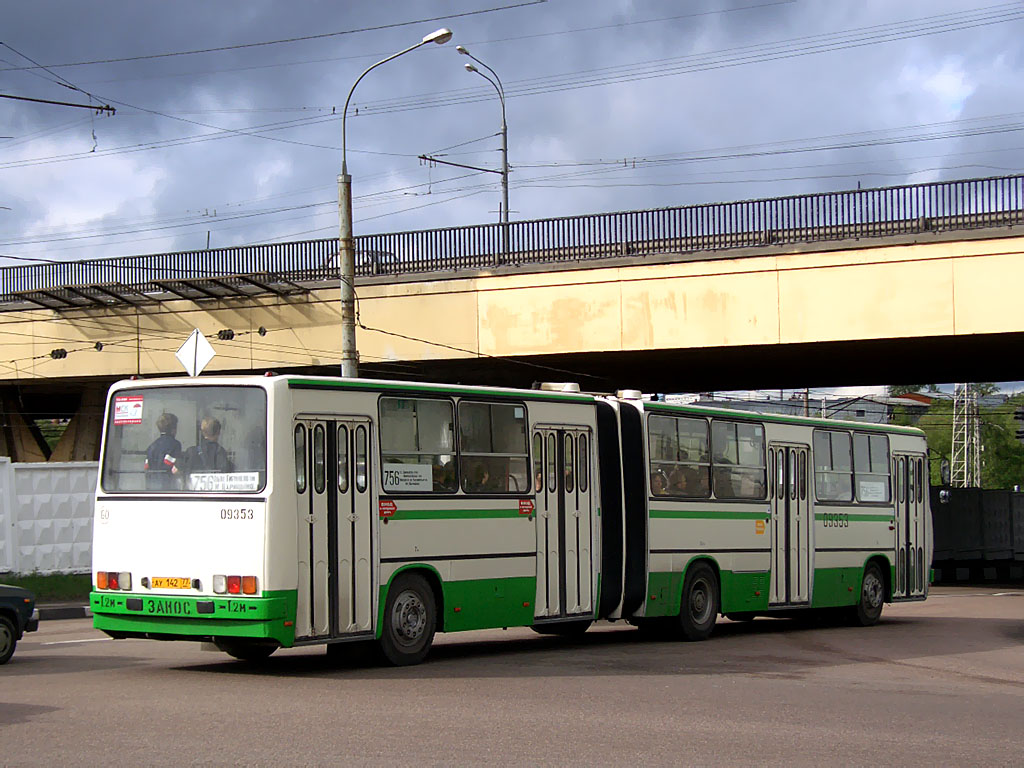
<point x="804" y="421"/>
<point x="378" y="386"/>
<point x="271" y="616"/>
<point x="453" y="514"/>
<point x="707" y="514"/>
<point x="883" y="518"/>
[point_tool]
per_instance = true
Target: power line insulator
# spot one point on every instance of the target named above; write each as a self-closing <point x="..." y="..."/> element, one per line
<point x="58" y="354"/>
<point x="226" y="334"/>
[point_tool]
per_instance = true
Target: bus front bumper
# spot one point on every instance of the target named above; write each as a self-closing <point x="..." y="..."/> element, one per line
<point x="127" y="614"/>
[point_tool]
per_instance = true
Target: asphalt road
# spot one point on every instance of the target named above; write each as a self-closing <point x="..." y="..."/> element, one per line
<point x="935" y="683"/>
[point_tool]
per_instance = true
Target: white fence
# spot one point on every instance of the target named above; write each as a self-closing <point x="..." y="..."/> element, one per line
<point x="46" y="516"/>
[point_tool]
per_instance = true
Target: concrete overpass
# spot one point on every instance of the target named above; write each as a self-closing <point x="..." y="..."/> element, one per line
<point x="913" y="283"/>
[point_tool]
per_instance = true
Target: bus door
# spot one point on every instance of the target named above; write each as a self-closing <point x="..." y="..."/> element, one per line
<point x="909" y="473"/>
<point x="335" y="527"/>
<point x="791" y="528"/>
<point x="563" y="474"/>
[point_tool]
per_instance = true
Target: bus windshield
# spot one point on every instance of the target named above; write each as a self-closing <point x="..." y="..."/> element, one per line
<point x="196" y="439"/>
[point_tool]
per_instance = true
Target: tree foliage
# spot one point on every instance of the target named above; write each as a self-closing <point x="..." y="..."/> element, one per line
<point x="1002" y="455"/>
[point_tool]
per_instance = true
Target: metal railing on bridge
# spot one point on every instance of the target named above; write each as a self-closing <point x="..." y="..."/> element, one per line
<point x="289" y="267"/>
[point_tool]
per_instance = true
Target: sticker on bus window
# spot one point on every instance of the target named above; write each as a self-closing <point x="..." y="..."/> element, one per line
<point x="224" y="481"/>
<point x="871" y="490"/>
<point x="128" y="409"/>
<point x="408" y="477"/>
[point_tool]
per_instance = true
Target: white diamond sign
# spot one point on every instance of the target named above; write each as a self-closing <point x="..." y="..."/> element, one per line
<point x="195" y="354"/>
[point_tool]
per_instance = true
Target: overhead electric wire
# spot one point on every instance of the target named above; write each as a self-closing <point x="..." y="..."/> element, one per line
<point x="794" y="47"/>
<point x="934" y="24"/>
<point x="949" y="129"/>
<point x="373" y="56"/>
<point x="287" y="40"/>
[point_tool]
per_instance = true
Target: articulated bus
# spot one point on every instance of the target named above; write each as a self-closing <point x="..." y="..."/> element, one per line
<point x="257" y="513"/>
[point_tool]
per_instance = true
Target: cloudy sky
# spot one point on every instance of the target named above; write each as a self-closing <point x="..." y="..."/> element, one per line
<point x="227" y="123"/>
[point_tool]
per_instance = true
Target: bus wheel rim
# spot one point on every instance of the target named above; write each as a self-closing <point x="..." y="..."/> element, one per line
<point x="700" y="601"/>
<point x="872" y="590"/>
<point x="409" y="617"/>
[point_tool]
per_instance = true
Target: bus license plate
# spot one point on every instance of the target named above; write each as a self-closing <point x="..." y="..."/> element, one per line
<point x="171" y="582"/>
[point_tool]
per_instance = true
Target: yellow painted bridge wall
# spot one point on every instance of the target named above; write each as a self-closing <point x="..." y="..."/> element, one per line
<point x="896" y="291"/>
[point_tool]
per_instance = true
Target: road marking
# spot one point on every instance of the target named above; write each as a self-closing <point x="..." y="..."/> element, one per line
<point x="70" y="642"/>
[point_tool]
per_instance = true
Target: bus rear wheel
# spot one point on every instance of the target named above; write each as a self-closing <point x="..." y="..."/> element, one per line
<point x="246" y="650"/>
<point x="699" y="609"/>
<point x="410" y="619"/>
<point x="868" y="609"/>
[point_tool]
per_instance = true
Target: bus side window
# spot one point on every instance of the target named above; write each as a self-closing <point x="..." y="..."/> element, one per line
<point x="568" y="463"/>
<point x="319" y="459"/>
<point x="803" y="475"/>
<point x="538" y="462"/>
<point x="300" y="458"/>
<point x="342" y="459"/>
<point x="552" y="464"/>
<point x="583" y="464"/>
<point x="360" y="459"/>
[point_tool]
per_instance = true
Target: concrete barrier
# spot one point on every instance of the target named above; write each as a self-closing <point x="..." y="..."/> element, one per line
<point x="46" y="513"/>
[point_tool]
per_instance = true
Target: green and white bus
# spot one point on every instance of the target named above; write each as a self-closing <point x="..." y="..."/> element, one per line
<point x="265" y="512"/>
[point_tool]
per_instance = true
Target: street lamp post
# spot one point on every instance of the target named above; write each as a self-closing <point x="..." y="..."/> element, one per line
<point x="496" y="82"/>
<point x="346" y="246"/>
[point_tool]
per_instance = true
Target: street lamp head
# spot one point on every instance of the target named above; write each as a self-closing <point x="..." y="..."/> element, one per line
<point x="440" y="37"/>
<point x="462" y="49"/>
<point x="470" y="68"/>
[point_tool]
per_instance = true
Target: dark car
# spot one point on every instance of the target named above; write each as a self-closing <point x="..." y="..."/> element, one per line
<point x="17" y="616"/>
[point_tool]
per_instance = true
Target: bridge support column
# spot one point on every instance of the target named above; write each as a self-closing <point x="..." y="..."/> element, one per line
<point x="20" y="438"/>
<point x="81" y="440"/>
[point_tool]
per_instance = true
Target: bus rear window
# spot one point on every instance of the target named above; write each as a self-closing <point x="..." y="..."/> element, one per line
<point x="186" y="440"/>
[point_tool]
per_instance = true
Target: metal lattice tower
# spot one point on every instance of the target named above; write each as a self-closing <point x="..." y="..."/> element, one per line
<point x="965" y="469"/>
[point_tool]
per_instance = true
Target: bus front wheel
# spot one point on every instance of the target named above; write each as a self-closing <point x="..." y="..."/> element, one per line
<point x="410" y="619"/>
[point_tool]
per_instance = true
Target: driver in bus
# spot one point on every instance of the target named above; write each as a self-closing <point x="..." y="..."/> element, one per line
<point x="209" y="455"/>
<point x="162" y="455"/>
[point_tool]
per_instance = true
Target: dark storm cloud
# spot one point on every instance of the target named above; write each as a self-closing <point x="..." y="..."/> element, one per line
<point x="146" y="194"/>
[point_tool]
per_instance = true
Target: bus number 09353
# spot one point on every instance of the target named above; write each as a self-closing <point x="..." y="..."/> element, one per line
<point x="236" y="514"/>
<point x="837" y="520"/>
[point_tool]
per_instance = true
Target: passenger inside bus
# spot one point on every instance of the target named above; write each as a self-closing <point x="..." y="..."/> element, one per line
<point x="659" y="483"/>
<point x="208" y="455"/>
<point x="163" y="455"/>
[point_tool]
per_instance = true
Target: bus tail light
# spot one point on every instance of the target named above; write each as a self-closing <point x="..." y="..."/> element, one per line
<point x="113" y="580"/>
<point x="234" y="585"/>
